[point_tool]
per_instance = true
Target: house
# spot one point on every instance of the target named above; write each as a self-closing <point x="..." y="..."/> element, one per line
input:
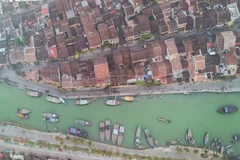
<point x="97" y="15"/>
<point x="181" y="20"/>
<point x="136" y="28"/>
<point x="222" y="16"/>
<point x="101" y="71"/>
<point x="50" y="74"/>
<point x="94" y="40"/>
<point x="3" y="46"/>
<point x="30" y="55"/>
<point x="159" y="71"/>
<point x="53" y="54"/>
<point x="68" y="7"/>
<point x="156" y="50"/>
<point x="137" y="5"/>
<point x="172" y="26"/>
<point x="80" y="43"/>
<point x="139" y="55"/>
<point x="17" y="55"/>
<point x="62" y="51"/>
<point x="229" y="62"/>
<point x="198" y="20"/>
<point x="163" y="27"/>
<point x="7" y="23"/>
<point x="192" y="5"/>
<point x="16" y="20"/>
<point x="154" y="25"/>
<point x="199" y="62"/>
<point x="113" y="35"/>
<point x="188" y="44"/>
<point x="157" y="13"/>
<point x="108" y="3"/>
<point x="3" y="59"/>
<point x="180" y="47"/>
<point x="128" y="33"/>
<point x="224" y="41"/>
<point x="165" y="6"/>
<point x="128" y="9"/>
<point x="173" y="57"/>
<point x="144" y="23"/>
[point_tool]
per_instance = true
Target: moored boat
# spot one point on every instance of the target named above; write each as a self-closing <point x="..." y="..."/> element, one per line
<point x="82" y="102"/>
<point x="52" y="119"/>
<point x="120" y="135"/>
<point x="179" y="141"/>
<point x="33" y="93"/>
<point x="77" y="132"/>
<point x="172" y="142"/>
<point x="53" y="99"/>
<point x="23" y="111"/>
<point x="190" y="138"/>
<point x="83" y="122"/>
<point x="228" y="109"/>
<point x="156" y="142"/>
<point x="22" y="116"/>
<point x="138" y="137"/>
<point x="236" y="137"/>
<point x="149" y="138"/>
<point x="21" y="87"/>
<point x="102" y="131"/>
<point x="128" y="98"/>
<point x="108" y="129"/>
<point x="164" y="120"/>
<point x="50" y="115"/>
<point x="115" y="133"/>
<point x="214" y="142"/>
<point x="221" y="150"/>
<point x="113" y="102"/>
<point x="63" y="101"/>
<point x="206" y="138"/>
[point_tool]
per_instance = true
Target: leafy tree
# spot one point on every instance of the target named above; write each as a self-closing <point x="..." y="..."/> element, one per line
<point x="195" y="151"/>
<point x="17" y="41"/>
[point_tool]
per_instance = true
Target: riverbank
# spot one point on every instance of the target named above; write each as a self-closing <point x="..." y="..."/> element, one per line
<point x="93" y="148"/>
<point x="210" y="87"/>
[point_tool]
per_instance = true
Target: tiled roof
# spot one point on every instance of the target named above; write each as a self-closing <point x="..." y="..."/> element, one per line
<point x="171" y="46"/>
<point x="188" y="45"/>
<point x="30" y="55"/>
<point x="117" y="57"/>
<point x="113" y="34"/>
<point x="154" y="25"/>
<point x="101" y="68"/>
<point x="128" y="8"/>
<point x="65" y="68"/>
<point x="144" y="22"/>
<point x="230" y="58"/>
<point x="181" y="18"/>
<point x="16" y="20"/>
<point x="94" y="39"/>
<point x="176" y="64"/>
<point x="199" y="62"/>
<point x="80" y="43"/>
<point x="158" y="70"/>
<point x="96" y="13"/>
<point x="172" y="25"/>
<point x="168" y="67"/>
<point x="138" y="55"/>
<point x="17" y="55"/>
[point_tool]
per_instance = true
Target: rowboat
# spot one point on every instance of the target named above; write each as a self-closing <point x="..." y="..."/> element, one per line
<point x="22" y="116"/>
<point x="83" y="123"/>
<point x="115" y="133"/>
<point x="160" y="97"/>
<point x="108" y="129"/>
<point x="189" y="136"/>
<point x="149" y="137"/>
<point x="228" y="109"/>
<point x="102" y="131"/>
<point x="54" y="120"/>
<point x="128" y="98"/>
<point x="33" y="93"/>
<point x="179" y="141"/>
<point x="222" y="150"/>
<point x="138" y="137"/>
<point x="63" y="101"/>
<point x="77" y="132"/>
<point x="172" y="142"/>
<point x="49" y="115"/>
<point x="206" y="138"/>
<point x="82" y="102"/>
<point x="164" y="120"/>
<point x="53" y="99"/>
<point x="23" y="111"/>
<point x="120" y="135"/>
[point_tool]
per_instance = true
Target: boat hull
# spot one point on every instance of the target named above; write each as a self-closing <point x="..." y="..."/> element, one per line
<point x="128" y="98"/>
<point x="120" y="136"/>
<point x="23" y="111"/>
<point x="102" y="131"/>
<point x="50" y="115"/>
<point x="23" y="116"/>
<point x="53" y="120"/>
<point x="53" y="99"/>
<point x="113" y="102"/>
<point x="108" y="129"/>
<point x="34" y="94"/>
<point x="138" y="137"/>
<point x="149" y="138"/>
<point x="228" y="109"/>
<point x="83" y="123"/>
<point x="77" y="132"/>
<point x="115" y="133"/>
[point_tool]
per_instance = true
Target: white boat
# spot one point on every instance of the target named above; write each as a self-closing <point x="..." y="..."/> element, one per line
<point x="102" y="131"/>
<point x="53" y="99"/>
<point x="23" y="111"/>
<point x="113" y="102"/>
<point x="82" y="102"/>
<point x="63" y="101"/>
<point x="138" y="137"/>
<point x="108" y="129"/>
<point x="115" y="133"/>
<point x="50" y="115"/>
<point x="120" y="135"/>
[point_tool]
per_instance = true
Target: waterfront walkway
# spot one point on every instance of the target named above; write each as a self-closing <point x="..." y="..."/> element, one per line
<point x="36" y="136"/>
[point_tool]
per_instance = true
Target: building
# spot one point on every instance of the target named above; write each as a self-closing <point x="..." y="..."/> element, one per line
<point x="224" y="41"/>
<point x="101" y="71"/>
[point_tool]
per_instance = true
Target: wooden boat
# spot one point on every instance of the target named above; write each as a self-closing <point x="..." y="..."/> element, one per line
<point x="52" y="119"/>
<point x="236" y="137"/>
<point x="160" y="97"/>
<point x="53" y="99"/>
<point x="83" y="122"/>
<point x="120" y="135"/>
<point x="50" y="115"/>
<point x="33" y="93"/>
<point x="214" y="142"/>
<point x="63" y="101"/>
<point x="113" y="102"/>
<point x="180" y="141"/>
<point x="149" y="137"/>
<point x="164" y="120"/>
<point x="82" y="102"/>
<point x="221" y="150"/>
<point x="172" y="142"/>
<point x="115" y="133"/>
<point x="138" y="137"/>
<point x="102" y="131"/>
<point x="77" y="132"/>
<point x="23" y="111"/>
<point x="128" y="98"/>
<point x="206" y="138"/>
<point x="228" y="109"/>
<point x="190" y="138"/>
<point x="22" y="116"/>
<point x="156" y="142"/>
<point x="45" y="126"/>
<point x="108" y="129"/>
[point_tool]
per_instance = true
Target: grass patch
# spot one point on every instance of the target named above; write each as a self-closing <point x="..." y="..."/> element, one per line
<point x="140" y="83"/>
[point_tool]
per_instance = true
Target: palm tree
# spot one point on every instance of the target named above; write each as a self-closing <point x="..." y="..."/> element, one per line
<point x="187" y="150"/>
<point x="89" y="144"/>
<point x="215" y="156"/>
<point x="178" y="149"/>
<point x="67" y="137"/>
<point x="117" y="154"/>
<point x="82" y="140"/>
<point x="74" y="141"/>
<point x="195" y="151"/>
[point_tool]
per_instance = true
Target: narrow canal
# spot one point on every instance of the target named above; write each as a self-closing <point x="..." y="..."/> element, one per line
<point x="195" y="111"/>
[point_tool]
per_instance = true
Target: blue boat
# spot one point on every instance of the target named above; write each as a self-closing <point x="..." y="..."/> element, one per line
<point x="52" y="119"/>
<point x="63" y="101"/>
<point x="77" y="132"/>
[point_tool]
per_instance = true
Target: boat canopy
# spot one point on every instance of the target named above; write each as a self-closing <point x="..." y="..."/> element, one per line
<point x="53" y="119"/>
<point x="225" y="109"/>
<point x="73" y="130"/>
<point x="115" y="131"/>
<point x="121" y="129"/>
<point x="84" y="101"/>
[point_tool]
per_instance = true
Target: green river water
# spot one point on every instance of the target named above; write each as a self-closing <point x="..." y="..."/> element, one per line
<point x="195" y="111"/>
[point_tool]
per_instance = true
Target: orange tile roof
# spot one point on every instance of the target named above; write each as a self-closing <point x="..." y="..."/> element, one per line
<point x="30" y="55"/>
<point x="101" y="68"/>
<point x="199" y="62"/>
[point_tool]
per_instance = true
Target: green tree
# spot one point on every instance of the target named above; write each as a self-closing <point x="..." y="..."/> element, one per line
<point x="17" y="41"/>
<point x="89" y="144"/>
<point x="195" y="151"/>
<point x="178" y="149"/>
<point x="187" y="150"/>
<point x="73" y="90"/>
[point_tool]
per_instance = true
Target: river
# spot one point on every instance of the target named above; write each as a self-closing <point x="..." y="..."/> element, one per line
<point x="195" y="111"/>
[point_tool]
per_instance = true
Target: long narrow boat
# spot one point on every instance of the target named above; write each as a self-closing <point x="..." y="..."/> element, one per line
<point x="128" y="98"/>
<point x="63" y="101"/>
<point x="228" y="109"/>
<point x="50" y="115"/>
<point x="82" y="102"/>
<point x="77" y="132"/>
<point x="115" y="133"/>
<point x="83" y="122"/>
<point x="102" y="131"/>
<point x="108" y="129"/>
<point x="164" y="120"/>
<point x="54" y="120"/>
<point x="22" y="116"/>
<point x="138" y="137"/>
<point x="23" y="111"/>
<point x="189" y="136"/>
<point x="53" y="99"/>
<point x="33" y="93"/>
<point x="180" y="141"/>
<point x="113" y="102"/>
<point x="206" y="138"/>
<point x="149" y="138"/>
<point x="120" y="135"/>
